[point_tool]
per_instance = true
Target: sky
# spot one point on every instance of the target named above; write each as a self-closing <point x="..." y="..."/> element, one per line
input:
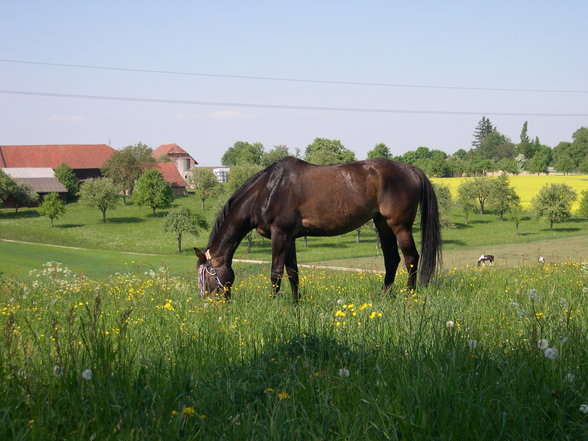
<point x="206" y="74"/>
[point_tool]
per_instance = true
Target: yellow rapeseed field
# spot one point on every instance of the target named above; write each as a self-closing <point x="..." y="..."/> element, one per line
<point x="528" y="186"/>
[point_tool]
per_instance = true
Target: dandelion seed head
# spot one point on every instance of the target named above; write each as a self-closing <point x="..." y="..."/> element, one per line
<point x="87" y="374"/>
<point x="450" y="324"/>
<point x="542" y="344"/>
<point x="551" y="353"/>
<point x="343" y="372"/>
<point x="584" y="408"/>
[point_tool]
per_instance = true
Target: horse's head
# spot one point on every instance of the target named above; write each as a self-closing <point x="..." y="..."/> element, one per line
<point x="212" y="277"/>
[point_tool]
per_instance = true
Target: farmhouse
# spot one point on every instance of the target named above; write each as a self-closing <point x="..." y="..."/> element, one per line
<point x="178" y="156"/>
<point x="172" y="175"/>
<point x="84" y="159"/>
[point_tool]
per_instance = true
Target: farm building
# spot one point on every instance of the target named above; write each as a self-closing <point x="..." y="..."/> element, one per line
<point x="178" y="156"/>
<point x="85" y="160"/>
<point x="41" y="179"/>
<point x="172" y="175"/>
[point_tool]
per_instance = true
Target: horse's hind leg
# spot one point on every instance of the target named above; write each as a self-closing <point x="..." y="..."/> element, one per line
<point x="389" y="250"/>
<point x="292" y="269"/>
<point x="409" y="252"/>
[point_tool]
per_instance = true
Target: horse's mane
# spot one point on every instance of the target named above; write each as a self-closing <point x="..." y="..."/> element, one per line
<point x="239" y="193"/>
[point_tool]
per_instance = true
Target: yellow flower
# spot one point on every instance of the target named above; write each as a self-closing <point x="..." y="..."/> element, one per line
<point x="269" y="390"/>
<point x="284" y="396"/>
<point x="189" y="411"/>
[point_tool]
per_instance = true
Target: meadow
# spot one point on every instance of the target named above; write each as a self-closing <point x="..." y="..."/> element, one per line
<point x="112" y="341"/>
<point x="481" y="354"/>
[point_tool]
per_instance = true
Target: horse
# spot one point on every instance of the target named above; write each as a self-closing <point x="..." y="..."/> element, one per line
<point x="485" y="258"/>
<point x="292" y="198"/>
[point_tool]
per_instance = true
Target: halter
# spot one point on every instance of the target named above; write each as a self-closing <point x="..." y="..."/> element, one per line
<point x="206" y="268"/>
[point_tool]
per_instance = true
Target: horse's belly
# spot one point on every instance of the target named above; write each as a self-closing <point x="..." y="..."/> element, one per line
<point x="332" y="226"/>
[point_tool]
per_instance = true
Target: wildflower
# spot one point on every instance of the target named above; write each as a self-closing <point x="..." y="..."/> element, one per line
<point x="189" y="411"/>
<point x="473" y="343"/>
<point x="450" y="324"/>
<point x="343" y="372"/>
<point x="542" y="344"/>
<point x="269" y="390"/>
<point x="533" y="294"/>
<point x="584" y="408"/>
<point x="570" y="378"/>
<point x="284" y="396"/>
<point x="57" y="371"/>
<point x="340" y="302"/>
<point x="551" y="353"/>
<point x="87" y="374"/>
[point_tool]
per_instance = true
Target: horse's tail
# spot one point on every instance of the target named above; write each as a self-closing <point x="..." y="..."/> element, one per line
<point x="430" y="231"/>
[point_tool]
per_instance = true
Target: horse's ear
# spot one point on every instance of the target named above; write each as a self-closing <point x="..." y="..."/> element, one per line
<point x="200" y="255"/>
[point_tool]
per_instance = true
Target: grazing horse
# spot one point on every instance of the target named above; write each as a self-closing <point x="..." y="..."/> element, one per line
<point x="292" y="198"/>
<point x="485" y="258"/>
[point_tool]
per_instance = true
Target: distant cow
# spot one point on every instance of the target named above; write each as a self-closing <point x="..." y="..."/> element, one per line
<point x="485" y="258"/>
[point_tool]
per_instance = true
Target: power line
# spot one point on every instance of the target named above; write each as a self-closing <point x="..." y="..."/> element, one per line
<point x="282" y="106"/>
<point x="293" y="80"/>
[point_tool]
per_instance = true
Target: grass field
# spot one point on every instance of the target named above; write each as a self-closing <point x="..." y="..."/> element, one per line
<point x="109" y="344"/>
<point x="482" y="354"/>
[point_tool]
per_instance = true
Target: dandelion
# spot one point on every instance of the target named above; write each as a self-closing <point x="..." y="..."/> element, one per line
<point x="284" y="396"/>
<point x="189" y="411"/>
<point x="542" y="344"/>
<point x="57" y="371"/>
<point x="87" y="374"/>
<point x="340" y="302"/>
<point x="584" y="408"/>
<point x="551" y="353"/>
<point x="450" y="324"/>
<point x="533" y="294"/>
<point x="343" y="373"/>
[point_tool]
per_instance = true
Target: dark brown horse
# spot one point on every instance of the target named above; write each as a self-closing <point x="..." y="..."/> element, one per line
<point x="292" y="198"/>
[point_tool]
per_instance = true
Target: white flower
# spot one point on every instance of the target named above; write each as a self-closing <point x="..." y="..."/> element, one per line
<point x="340" y="302"/>
<point x="87" y="374"/>
<point x="57" y="371"/>
<point x="551" y="353"/>
<point x="584" y="408"/>
<point x="542" y="344"/>
<point x="570" y="378"/>
<point x="533" y="294"/>
<point x="343" y="372"/>
<point x="450" y="324"/>
<point x="473" y="343"/>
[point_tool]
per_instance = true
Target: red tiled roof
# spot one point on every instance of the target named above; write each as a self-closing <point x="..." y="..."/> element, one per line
<point x="171" y="149"/>
<point x="77" y="156"/>
<point x="171" y="174"/>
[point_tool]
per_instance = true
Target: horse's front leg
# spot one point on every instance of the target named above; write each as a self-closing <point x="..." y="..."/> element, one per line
<point x="280" y="245"/>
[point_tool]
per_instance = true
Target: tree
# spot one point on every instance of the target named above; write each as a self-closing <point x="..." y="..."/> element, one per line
<point x="52" y="207"/>
<point x="483" y="129"/>
<point x="67" y="177"/>
<point x="540" y="160"/>
<point x="239" y="174"/>
<point x="583" y="208"/>
<point x="182" y="220"/>
<point x="241" y="152"/>
<point x="525" y="147"/>
<point x="444" y="200"/>
<point x="23" y="195"/>
<point x="465" y="200"/>
<point x="6" y="185"/>
<point x="515" y="214"/>
<point x="502" y="196"/>
<point x="554" y="203"/>
<point x="205" y="184"/>
<point x="325" y="151"/>
<point x="490" y="145"/>
<point x="477" y="189"/>
<point x="152" y="190"/>
<point x="380" y="150"/>
<point x="127" y="165"/>
<point x="101" y="193"/>
<point x="275" y="154"/>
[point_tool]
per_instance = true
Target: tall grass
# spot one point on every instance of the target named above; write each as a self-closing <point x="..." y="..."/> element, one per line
<point x="481" y="354"/>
